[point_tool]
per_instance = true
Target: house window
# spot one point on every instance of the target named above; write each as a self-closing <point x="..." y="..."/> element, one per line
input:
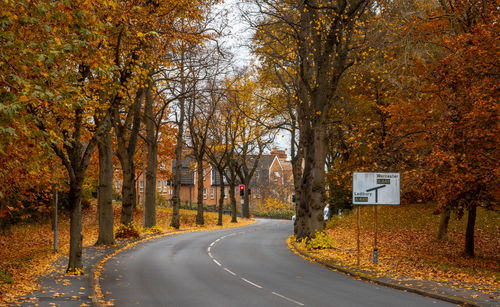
<point x="141" y="186"/>
<point x="117" y="184"/>
<point x="165" y="185"/>
<point x="211" y="193"/>
<point x="204" y="193"/>
<point x="225" y="193"/>
<point x="159" y="186"/>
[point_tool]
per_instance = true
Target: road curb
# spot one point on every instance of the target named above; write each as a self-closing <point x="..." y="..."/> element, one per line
<point x="98" y="300"/>
<point x="94" y="273"/>
<point x="441" y="297"/>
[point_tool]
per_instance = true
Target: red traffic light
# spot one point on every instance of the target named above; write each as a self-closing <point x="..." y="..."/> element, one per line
<point x="242" y="189"/>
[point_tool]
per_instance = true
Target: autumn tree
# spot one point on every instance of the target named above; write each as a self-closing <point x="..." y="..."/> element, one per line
<point x="456" y="108"/>
<point x="253" y="128"/>
<point x="219" y="148"/>
<point x="61" y="95"/>
<point x="321" y="34"/>
<point x="207" y="66"/>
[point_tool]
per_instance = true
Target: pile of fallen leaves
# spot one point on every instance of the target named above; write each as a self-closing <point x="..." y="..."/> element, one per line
<point x="26" y="252"/>
<point x="408" y="248"/>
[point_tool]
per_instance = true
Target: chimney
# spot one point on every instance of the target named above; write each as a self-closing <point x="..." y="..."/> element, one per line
<point x="280" y="153"/>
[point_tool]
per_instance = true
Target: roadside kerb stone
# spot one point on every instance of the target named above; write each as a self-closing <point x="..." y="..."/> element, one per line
<point x="365" y="276"/>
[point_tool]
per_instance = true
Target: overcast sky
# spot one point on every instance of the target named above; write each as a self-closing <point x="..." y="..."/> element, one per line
<point x="238" y="40"/>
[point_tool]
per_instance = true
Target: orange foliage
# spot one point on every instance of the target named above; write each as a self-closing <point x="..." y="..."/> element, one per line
<point x="408" y="249"/>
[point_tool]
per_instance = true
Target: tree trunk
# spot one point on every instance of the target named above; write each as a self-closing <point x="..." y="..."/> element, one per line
<point x="199" y="170"/>
<point x="246" y="202"/>
<point x="105" y="193"/>
<point x="221" y="198"/>
<point x="317" y="198"/>
<point x="443" y="224"/>
<point x="152" y="162"/>
<point x="232" y="196"/>
<point x="128" y="186"/>
<point x="75" y="243"/>
<point x="469" y="233"/>
<point x="312" y="200"/>
<point x="126" y="136"/>
<point x="176" y="200"/>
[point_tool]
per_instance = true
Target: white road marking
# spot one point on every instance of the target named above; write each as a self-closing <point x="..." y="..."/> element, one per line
<point x="253" y="284"/>
<point x="234" y="274"/>
<point x="288" y="299"/>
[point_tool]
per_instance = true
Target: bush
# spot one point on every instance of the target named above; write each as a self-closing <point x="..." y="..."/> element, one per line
<point x="127" y="231"/>
<point x="274" y="208"/>
<point x="320" y="241"/>
<point x="275" y="214"/>
<point x="6" y="277"/>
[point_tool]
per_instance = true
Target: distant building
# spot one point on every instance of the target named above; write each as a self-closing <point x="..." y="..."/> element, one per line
<point x="272" y="179"/>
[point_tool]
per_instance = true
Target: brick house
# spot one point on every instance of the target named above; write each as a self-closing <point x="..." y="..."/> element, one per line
<point x="273" y="178"/>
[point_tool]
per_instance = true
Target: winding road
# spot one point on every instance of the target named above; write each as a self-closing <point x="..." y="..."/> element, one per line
<point x="248" y="266"/>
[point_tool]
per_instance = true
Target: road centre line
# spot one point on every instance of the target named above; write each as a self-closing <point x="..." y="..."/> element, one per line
<point x="244" y="279"/>
<point x="288" y="299"/>
<point x="253" y="284"/>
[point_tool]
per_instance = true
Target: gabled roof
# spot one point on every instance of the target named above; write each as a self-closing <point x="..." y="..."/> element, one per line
<point x="266" y="161"/>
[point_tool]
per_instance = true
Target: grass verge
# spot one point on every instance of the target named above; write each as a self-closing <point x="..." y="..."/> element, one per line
<point x="408" y="248"/>
<point x="27" y="251"/>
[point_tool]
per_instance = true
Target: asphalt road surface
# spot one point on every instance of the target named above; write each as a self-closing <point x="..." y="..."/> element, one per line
<point x="248" y="266"/>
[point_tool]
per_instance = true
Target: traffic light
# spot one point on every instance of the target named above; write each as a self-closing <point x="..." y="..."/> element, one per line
<point x="293" y="198"/>
<point x="242" y="190"/>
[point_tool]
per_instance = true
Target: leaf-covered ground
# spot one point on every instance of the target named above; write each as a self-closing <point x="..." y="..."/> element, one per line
<point x="27" y="251"/>
<point x="408" y="248"/>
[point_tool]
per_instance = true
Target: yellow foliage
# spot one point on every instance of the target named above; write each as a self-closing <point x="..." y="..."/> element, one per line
<point x="320" y="241"/>
<point x="273" y="204"/>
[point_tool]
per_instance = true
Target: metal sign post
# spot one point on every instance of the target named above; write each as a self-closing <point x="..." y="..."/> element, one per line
<point x="374" y="189"/>
<point x="359" y="226"/>
<point x="55" y="223"/>
<point x="144" y="188"/>
<point x="375" y="248"/>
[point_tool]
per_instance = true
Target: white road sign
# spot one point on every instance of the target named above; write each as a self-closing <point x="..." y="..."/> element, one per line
<point x="375" y="188"/>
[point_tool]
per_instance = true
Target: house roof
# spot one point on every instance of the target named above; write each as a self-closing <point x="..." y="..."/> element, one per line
<point x="187" y="174"/>
<point x="266" y="161"/>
